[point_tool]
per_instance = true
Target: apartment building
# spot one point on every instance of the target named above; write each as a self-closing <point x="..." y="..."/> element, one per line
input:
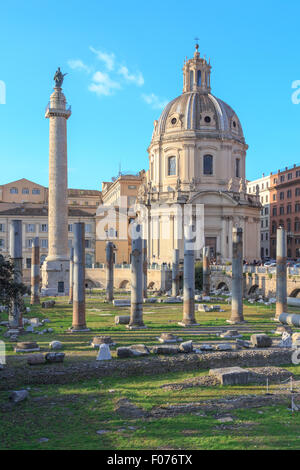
<point x="261" y="186"/>
<point x="285" y="208"/>
<point x="27" y="201"/>
<point x="118" y="201"/>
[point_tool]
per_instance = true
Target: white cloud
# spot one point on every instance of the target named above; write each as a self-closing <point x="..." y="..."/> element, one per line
<point x="112" y="77"/>
<point x="138" y="78"/>
<point x="154" y="101"/>
<point x="78" y="65"/>
<point x="102" y="84"/>
<point x="108" y="59"/>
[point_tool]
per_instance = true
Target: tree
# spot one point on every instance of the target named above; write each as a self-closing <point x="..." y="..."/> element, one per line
<point x="11" y="292"/>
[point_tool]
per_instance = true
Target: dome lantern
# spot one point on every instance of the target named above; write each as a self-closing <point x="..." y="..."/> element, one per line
<point x="196" y="74"/>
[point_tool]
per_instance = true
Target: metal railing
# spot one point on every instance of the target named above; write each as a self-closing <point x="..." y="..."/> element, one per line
<point x="155" y="267"/>
<point x="257" y="269"/>
<point x="67" y="108"/>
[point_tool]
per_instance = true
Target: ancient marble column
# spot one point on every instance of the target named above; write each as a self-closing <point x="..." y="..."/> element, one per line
<point x="281" y="278"/>
<point x="175" y="273"/>
<point x="55" y="269"/>
<point x="109" y="254"/>
<point x="15" y="314"/>
<point x="136" y="311"/>
<point x="237" y="276"/>
<point x="71" y="276"/>
<point x="145" y="270"/>
<point x="35" y="272"/>
<point x="188" y="282"/>
<point x="206" y="271"/>
<point x="79" y="322"/>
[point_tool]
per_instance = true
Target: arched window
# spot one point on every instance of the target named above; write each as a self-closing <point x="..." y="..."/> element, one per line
<point x="199" y="78"/>
<point x="171" y="166"/>
<point x="207" y="165"/>
<point x="297" y="225"/>
<point x="191" y="79"/>
<point x="237" y="168"/>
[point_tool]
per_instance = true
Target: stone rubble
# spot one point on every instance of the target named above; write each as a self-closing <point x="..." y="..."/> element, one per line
<point x="98" y="340"/>
<point x="261" y="341"/>
<point x="168" y="338"/>
<point x="231" y="375"/>
<point x="104" y="353"/>
<point x="230" y="334"/>
<point x="55" y="345"/>
<point x="54" y="357"/>
<point x="122" y="319"/>
<point x="48" y="304"/>
<point x="18" y="395"/>
<point x="286" y="341"/>
<point x="283" y="328"/>
<point x="165" y="349"/>
<point x="121" y="302"/>
<point x="186" y="347"/>
<point x="133" y="351"/>
<point x="27" y="347"/>
<point x="224" y="347"/>
<point x="36" y="359"/>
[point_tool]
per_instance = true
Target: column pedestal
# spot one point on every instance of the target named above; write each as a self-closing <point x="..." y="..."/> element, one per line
<point x="55" y="276"/>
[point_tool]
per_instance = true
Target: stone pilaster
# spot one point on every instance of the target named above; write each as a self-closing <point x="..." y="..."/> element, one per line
<point x="109" y="268"/>
<point x="188" y="281"/>
<point x="15" y="313"/>
<point x="79" y="323"/>
<point x="281" y="278"/>
<point x="35" y="272"/>
<point x="175" y="273"/>
<point x="206" y="271"/>
<point x="145" y="269"/>
<point x="71" y="276"/>
<point x="136" y="311"/>
<point x="237" y="277"/>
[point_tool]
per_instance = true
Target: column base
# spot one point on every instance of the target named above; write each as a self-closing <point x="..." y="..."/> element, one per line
<point x="236" y="322"/>
<point x="275" y="319"/>
<point x="136" y="327"/>
<point x="20" y="329"/>
<point x="76" y="329"/>
<point x="187" y="325"/>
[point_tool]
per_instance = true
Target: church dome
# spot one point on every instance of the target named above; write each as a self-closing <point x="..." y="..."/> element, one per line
<point x="197" y="110"/>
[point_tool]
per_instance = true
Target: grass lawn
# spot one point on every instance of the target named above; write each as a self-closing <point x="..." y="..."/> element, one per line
<point x="70" y="415"/>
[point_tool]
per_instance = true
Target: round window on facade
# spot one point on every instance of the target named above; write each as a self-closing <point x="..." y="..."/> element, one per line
<point x="173" y="121"/>
<point x="207" y="119"/>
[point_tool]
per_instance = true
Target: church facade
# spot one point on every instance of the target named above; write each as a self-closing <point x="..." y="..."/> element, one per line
<point x="197" y="157"/>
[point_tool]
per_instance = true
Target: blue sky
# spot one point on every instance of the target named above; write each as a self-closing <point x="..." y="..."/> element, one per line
<point x="124" y="61"/>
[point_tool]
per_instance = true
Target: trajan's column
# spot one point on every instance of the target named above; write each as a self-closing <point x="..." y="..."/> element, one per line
<point x="55" y="269"/>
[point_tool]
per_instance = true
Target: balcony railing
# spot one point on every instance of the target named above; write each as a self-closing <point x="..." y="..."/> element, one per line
<point x="67" y="109"/>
